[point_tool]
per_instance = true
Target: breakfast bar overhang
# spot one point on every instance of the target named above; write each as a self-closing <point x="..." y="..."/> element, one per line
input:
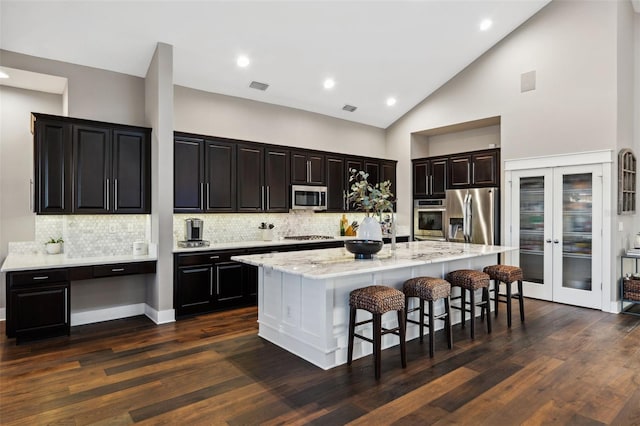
<point x="303" y="296"/>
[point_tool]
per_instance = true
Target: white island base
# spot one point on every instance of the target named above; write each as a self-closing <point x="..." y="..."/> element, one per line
<point x="305" y="308"/>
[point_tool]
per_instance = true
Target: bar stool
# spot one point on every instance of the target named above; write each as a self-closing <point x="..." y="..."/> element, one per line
<point x="471" y="280"/>
<point x="506" y="274"/>
<point x="429" y="289"/>
<point x="377" y="300"/>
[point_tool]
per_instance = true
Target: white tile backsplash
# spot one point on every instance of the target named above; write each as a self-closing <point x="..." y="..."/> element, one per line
<point x="88" y="235"/>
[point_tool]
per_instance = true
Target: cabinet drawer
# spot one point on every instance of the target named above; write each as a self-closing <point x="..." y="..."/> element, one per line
<point x="40" y="276"/>
<point x="206" y="258"/>
<point x="116" y="269"/>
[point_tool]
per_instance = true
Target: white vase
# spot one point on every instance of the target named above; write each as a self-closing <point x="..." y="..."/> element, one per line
<point x="370" y="229"/>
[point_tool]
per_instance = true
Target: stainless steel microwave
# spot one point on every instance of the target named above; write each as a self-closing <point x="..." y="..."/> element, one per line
<point x="305" y="197"/>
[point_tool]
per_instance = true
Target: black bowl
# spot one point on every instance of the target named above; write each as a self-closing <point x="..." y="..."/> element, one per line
<point x="363" y="249"/>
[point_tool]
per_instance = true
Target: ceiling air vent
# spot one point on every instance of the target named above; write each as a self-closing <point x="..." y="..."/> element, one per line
<point x="258" y="85"/>
<point x="349" y="108"/>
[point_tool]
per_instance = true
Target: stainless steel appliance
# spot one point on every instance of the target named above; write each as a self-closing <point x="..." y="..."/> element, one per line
<point x="429" y="220"/>
<point x="193" y="231"/>
<point x="472" y="215"/>
<point x="304" y="197"/>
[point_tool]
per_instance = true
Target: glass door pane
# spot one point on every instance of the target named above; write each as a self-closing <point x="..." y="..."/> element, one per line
<point x="577" y="219"/>
<point x="532" y="228"/>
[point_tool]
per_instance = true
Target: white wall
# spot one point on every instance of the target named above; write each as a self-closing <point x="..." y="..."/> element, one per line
<point x="16" y="165"/>
<point x="226" y="116"/>
<point x="467" y="140"/>
<point x="572" y="109"/>
<point x="93" y="93"/>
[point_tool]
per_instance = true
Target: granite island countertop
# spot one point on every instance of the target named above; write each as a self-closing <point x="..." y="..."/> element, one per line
<point x="336" y="262"/>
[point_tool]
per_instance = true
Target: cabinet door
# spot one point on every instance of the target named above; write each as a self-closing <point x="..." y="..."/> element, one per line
<point x="485" y="169"/>
<point x="251" y="191"/>
<point x="188" y="160"/>
<point x="41" y="311"/>
<point x="336" y="184"/>
<point x="388" y="172"/>
<point x="92" y="165"/>
<point x="220" y="182"/>
<point x="373" y="168"/>
<point x="131" y="172"/>
<point x="251" y="284"/>
<point x="276" y="180"/>
<point x="316" y="169"/>
<point x="421" y="179"/>
<point x="460" y="171"/>
<point x="194" y="290"/>
<point x="52" y="172"/>
<point x="352" y="163"/>
<point x="229" y="284"/>
<point x="307" y="168"/>
<point x="439" y="177"/>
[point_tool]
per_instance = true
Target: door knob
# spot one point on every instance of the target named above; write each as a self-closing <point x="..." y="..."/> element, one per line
<point x="556" y="241"/>
<point x="548" y="240"/>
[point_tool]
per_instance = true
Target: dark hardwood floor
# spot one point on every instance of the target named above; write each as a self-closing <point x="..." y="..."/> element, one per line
<point x="566" y="365"/>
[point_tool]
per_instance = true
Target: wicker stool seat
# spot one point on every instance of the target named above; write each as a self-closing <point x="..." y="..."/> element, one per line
<point x="429" y="289"/>
<point x="471" y="280"/>
<point x="377" y="299"/>
<point x="508" y="275"/>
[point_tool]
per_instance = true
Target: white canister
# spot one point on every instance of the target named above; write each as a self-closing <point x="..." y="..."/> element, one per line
<point x="140" y="248"/>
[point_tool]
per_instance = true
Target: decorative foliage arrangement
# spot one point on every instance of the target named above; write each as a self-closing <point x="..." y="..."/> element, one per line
<point x="369" y="198"/>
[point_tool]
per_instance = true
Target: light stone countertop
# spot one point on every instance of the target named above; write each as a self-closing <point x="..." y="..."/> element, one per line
<point x="25" y="262"/>
<point x="337" y="262"/>
<point x="255" y="244"/>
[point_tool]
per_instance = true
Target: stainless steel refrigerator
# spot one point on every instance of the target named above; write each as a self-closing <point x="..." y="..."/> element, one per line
<point x="473" y="215"/>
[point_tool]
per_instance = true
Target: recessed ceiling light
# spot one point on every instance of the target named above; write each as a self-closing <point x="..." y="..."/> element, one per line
<point x="243" y="61"/>
<point x="329" y="83"/>
<point x="485" y="24"/>
<point x="3" y="75"/>
<point x="391" y="101"/>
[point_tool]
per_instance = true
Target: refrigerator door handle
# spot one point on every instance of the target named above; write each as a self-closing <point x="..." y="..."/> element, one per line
<point x="469" y="217"/>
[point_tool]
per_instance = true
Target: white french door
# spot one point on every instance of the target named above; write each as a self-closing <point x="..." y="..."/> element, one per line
<point x="556" y="216"/>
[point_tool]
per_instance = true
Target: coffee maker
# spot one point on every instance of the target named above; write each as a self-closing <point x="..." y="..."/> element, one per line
<point x="193" y="230"/>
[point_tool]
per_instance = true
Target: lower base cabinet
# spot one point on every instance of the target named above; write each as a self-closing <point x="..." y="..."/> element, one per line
<point x="40" y="311"/>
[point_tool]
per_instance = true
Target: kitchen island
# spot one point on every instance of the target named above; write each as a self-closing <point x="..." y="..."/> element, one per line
<point x="303" y="296"/>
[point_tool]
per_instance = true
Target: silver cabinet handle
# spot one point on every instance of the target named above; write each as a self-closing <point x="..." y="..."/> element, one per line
<point x="206" y="206"/>
<point x="41" y="278"/>
<point x="473" y="173"/>
<point x="115" y="194"/>
<point x="431" y="185"/>
<point x="548" y="240"/>
<point x="106" y="192"/>
<point x="268" y="198"/>
<point x="556" y="241"/>
<point x="66" y="307"/>
<point x="201" y="195"/>
<point x="262" y="198"/>
<point x="32" y="204"/>
<point x="308" y="170"/>
<point x="214" y="257"/>
<point x="117" y="269"/>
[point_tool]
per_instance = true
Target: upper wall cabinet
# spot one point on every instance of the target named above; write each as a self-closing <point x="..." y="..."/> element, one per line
<point x="307" y="168"/>
<point x="430" y="177"/>
<point x="474" y="169"/>
<point x="263" y="178"/>
<point x="86" y="167"/>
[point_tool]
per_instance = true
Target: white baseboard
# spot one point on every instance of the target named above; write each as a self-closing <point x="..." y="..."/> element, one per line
<point x="107" y="314"/>
<point x="160" y="317"/>
<point x="3" y="314"/>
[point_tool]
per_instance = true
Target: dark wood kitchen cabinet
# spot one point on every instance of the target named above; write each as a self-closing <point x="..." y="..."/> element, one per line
<point x="209" y="281"/>
<point x="204" y="175"/>
<point x="307" y="168"/>
<point x="52" y="168"/>
<point x="84" y="166"/>
<point x="336" y="183"/>
<point x="430" y="177"/>
<point x="263" y="178"/>
<point x="474" y="169"/>
<point x="38" y="304"/>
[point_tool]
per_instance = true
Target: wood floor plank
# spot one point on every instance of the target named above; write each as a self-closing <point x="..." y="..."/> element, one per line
<point x="564" y="365"/>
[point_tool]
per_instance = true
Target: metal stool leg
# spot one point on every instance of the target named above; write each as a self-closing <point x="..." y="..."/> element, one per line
<point x="402" y="335"/>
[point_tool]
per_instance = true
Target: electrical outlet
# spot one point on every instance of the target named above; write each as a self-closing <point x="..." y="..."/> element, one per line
<point x="620" y="226"/>
<point x="112" y="228"/>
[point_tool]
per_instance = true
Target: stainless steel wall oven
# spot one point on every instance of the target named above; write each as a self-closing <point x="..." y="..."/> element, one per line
<point x="429" y="220"/>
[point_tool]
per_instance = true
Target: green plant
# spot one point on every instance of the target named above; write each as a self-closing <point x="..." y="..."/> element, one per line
<point x="369" y="198"/>
<point x="55" y="241"/>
